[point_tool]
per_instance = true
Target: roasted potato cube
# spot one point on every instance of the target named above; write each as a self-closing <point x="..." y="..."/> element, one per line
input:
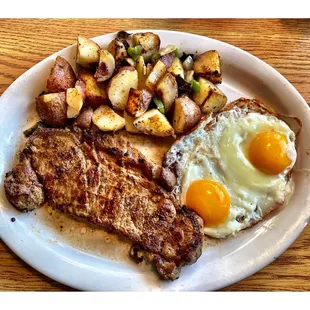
<point x="167" y="49"/>
<point x="154" y="123"/>
<point x="210" y="98"/>
<point x="167" y="90"/>
<point x="176" y="68"/>
<point x="61" y="76"/>
<point x="95" y="93"/>
<point x="156" y="74"/>
<point x="84" y="119"/>
<point x="118" y="48"/>
<point x="119" y="86"/>
<point x="208" y="65"/>
<point x="75" y="102"/>
<point x="107" y="120"/>
<point x="105" y="67"/>
<point x="138" y="102"/>
<point x="87" y="52"/>
<point x="129" y="123"/>
<point x="186" y="114"/>
<point x="52" y="109"/>
<point x="141" y="69"/>
<point x="150" y="43"/>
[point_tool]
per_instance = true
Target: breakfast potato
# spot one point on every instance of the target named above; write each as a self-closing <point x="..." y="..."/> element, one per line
<point x="208" y="65"/>
<point x="155" y="75"/>
<point x="85" y="118"/>
<point x="154" y="123"/>
<point x="107" y="120"/>
<point x="186" y="114"/>
<point x="150" y="43"/>
<point x="138" y="102"/>
<point x="129" y="123"/>
<point x="87" y="52"/>
<point x="141" y="69"/>
<point x="210" y="98"/>
<point x="61" y="76"/>
<point x="74" y="101"/>
<point x="105" y="67"/>
<point x="95" y="93"/>
<point x="118" y="48"/>
<point x="176" y="68"/>
<point x="167" y="90"/>
<point x="120" y="85"/>
<point x="52" y="109"/>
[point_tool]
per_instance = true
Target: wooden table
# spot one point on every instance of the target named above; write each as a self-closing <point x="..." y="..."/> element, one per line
<point x="282" y="43"/>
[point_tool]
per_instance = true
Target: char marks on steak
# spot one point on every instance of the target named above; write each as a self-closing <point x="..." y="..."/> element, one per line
<point x="101" y="178"/>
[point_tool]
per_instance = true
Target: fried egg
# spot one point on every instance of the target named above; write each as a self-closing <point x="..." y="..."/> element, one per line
<point x="236" y="171"/>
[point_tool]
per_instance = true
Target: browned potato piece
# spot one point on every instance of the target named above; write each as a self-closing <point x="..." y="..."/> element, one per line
<point x="167" y="90"/>
<point x="52" y="109"/>
<point x="118" y="48"/>
<point x="208" y="65"/>
<point x="61" y="76"/>
<point x="105" y="67"/>
<point x="210" y="98"/>
<point x="119" y="86"/>
<point x="87" y="54"/>
<point x="138" y="102"/>
<point x="84" y="119"/>
<point x="154" y="123"/>
<point x="186" y="114"/>
<point x="129" y="123"/>
<point x="156" y="74"/>
<point x="176" y="68"/>
<point x="141" y="69"/>
<point x="150" y="43"/>
<point x="107" y="120"/>
<point x="95" y="93"/>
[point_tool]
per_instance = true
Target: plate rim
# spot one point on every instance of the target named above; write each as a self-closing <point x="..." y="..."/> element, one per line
<point x="303" y="222"/>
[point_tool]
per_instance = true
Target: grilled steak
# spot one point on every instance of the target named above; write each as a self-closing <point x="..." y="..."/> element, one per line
<point x="99" y="177"/>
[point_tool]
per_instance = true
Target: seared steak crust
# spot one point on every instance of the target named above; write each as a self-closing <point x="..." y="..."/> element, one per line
<point x="101" y="178"/>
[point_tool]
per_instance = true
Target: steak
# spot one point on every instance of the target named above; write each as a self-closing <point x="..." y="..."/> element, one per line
<point x="101" y="178"/>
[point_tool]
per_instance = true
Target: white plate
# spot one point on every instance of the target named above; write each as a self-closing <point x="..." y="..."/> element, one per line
<point x="88" y="261"/>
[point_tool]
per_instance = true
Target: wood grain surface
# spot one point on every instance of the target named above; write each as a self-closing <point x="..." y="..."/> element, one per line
<point x="282" y="43"/>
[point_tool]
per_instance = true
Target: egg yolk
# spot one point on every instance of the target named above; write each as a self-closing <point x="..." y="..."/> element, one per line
<point x="268" y="152"/>
<point x="210" y="200"/>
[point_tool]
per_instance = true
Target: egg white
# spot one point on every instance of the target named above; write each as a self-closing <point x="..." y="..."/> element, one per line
<point x="220" y="154"/>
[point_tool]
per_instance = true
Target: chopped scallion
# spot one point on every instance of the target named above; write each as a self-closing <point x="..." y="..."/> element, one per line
<point x="159" y="104"/>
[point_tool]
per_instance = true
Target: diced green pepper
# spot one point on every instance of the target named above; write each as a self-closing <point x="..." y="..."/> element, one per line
<point x="195" y="86"/>
<point x="159" y="104"/>
<point x="134" y="52"/>
<point x="177" y="52"/>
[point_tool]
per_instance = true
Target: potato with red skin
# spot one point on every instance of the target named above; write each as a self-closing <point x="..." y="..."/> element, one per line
<point x="61" y="76"/>
<point x="52" y="109"/>
<point x="85" y="118"/>
<point x="208" y="66"/>
<point x="186" y="114"/>
<point x="87" y="54"/>
<point x="95" y="93"/>
<point x="138" y="102"/>
<point x="120" y="85"/>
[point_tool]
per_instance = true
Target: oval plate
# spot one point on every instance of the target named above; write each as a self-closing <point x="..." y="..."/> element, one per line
<point x="42" y="246"/>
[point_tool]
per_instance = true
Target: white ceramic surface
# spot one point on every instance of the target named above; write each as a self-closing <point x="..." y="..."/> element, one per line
<point x="88" y="262"/>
